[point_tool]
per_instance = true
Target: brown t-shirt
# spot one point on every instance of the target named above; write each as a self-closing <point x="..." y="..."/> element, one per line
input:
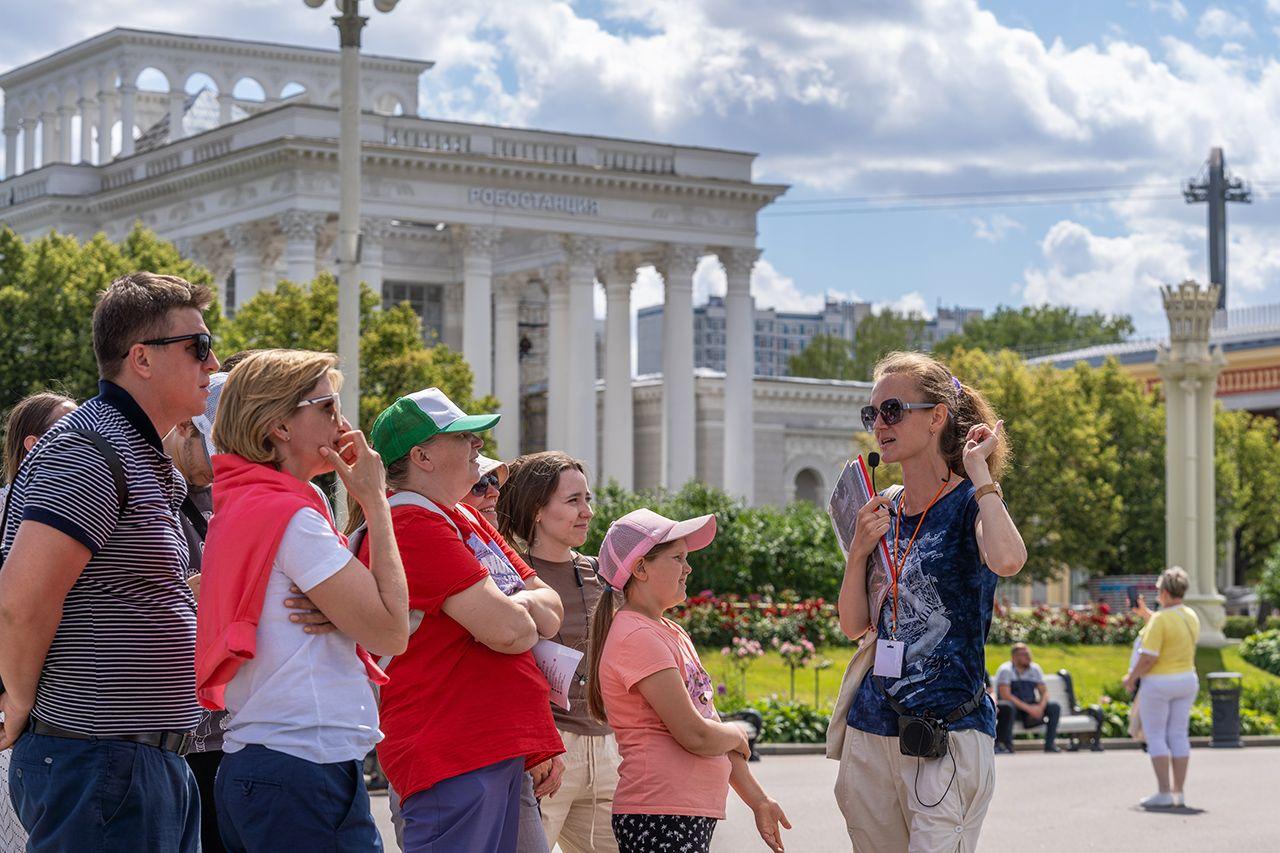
<point x="579" y="590"/>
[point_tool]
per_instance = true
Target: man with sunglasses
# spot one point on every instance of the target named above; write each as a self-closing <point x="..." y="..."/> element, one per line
<point x="97" y="624"/>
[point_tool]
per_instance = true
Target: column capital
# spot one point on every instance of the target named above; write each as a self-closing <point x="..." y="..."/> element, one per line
<point x="66" y="110"/>
<point x="84" y="102"/>
<point x="244" y="237"/>
<point x="678" y="262"/>
<point x="375" y="229"/>
<point x="738" y="263"/>
<point x="581" y="249"/>
<point x="509" y="288"/>
<point x="300" y="224"/>
<point x="186" y="247"/>
<point x="480" y="239"/>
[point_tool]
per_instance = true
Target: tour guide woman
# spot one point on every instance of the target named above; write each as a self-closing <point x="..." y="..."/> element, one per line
<point x="949" y="537"/>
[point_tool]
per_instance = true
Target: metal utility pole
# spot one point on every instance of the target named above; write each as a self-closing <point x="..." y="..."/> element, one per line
<point x="1217" y="186"/>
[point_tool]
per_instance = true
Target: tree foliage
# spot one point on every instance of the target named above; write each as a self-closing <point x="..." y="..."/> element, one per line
<point x="883" y="333"/>
<point x="1037" y="326"/>
<point x="47" y="292"/>
<point x="826" y="357"/>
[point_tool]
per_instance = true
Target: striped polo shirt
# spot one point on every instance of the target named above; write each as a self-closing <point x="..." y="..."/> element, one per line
<point x="123" y="658"/>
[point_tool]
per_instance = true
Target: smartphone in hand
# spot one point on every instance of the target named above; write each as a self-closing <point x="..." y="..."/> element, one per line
<point x="1133" y="597"/>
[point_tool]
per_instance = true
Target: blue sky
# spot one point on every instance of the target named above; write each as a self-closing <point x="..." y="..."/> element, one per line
<point x="860" y="98"/>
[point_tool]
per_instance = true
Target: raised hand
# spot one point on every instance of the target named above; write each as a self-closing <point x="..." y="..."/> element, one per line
<point x="359" y="467"/>
<point x="870" y="527"/>
<point x="979" y="444"/>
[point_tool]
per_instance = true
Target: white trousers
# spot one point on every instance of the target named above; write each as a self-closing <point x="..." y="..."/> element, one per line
<point x="1164" y="703"/>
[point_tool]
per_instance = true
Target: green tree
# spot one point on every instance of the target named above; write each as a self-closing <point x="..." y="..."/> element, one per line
<point x="1247" y="471"/>
<point x="1045" y="327"/>
<point x="393" y="359"/>
<point x="47" y="292"/>
<point x="883" y="333"/>
<point x="826" y="357"/>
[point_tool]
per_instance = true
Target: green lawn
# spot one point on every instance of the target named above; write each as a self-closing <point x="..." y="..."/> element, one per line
<point x="1091" y="668"/>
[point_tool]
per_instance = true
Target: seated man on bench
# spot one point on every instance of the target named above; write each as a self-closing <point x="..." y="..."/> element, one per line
<point x="1020" y="689"/>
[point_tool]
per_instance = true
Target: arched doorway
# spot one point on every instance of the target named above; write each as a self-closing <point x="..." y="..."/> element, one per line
<point x="809" y="486"/>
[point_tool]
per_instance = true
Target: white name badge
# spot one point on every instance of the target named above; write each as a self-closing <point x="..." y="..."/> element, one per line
<point x="888" y="658"/>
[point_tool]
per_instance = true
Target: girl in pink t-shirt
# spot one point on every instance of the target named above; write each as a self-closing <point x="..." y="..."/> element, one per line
<point x="646" y="681"/>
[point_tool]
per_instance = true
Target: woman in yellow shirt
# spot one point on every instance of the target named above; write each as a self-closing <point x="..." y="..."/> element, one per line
<point x="1167" y="670"/>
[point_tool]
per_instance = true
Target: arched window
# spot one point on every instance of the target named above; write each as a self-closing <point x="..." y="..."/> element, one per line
<point x="809" y="486"/>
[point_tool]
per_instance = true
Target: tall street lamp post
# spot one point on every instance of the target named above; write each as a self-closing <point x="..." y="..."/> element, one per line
<point x="349" y="23"/>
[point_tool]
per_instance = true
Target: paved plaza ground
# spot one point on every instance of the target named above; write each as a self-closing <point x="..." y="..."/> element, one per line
<point x="1046" y="803"/>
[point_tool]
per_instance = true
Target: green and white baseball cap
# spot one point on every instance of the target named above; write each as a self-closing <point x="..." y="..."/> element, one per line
<point x="416" y="417"/>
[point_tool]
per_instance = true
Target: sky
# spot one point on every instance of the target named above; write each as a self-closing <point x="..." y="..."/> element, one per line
<point x="910" y="131"/>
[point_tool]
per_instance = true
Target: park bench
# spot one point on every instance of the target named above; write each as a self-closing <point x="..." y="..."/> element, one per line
<point x="1074" y="721"/>
<point x="751" y="723"/>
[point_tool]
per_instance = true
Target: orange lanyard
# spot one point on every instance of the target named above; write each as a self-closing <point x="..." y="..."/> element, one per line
<point x="898" y="562"/>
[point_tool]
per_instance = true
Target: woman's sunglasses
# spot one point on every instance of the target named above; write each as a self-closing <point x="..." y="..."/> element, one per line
<point x="890" y="411"/>
<point x="203" y="344"/>
<point x="482" y="485"/>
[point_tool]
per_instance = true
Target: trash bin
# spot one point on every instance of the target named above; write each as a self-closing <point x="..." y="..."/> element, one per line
<point x="1224" y="691"/>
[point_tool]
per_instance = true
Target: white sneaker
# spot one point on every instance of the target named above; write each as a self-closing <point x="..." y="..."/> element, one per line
<point x="1179" y="800"/>
<point x="1161" y="800"/>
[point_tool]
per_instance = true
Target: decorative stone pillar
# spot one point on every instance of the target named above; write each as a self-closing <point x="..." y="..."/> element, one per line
<point x="582" y="255"/>
<point x="247" y="245"/>
<point x="177" y="106"/>
<point x="300" y="228"/>
<point x="66" y="139"/>
<point x="559" y="333"/>
<point x="478" y="244"/>
<point x="679" y="421"/>
<point x="86" y="132"/>
<point x="618" y="449"/>
<point x="128" y="100"/>
<point x="10" y="150"/>
<point x="506" y="362"/>
<point x="28" y="143"/>
<point x="452" y="302"/>
<point x="106" y="118"/>
<point x="373" y="231"/>
<point x="48" y="137"/>
<point x="1189" y="368"/>
<point x="740" y="363"/>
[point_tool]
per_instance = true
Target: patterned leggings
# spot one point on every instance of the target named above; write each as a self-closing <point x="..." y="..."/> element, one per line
<point x="663" y="833"/>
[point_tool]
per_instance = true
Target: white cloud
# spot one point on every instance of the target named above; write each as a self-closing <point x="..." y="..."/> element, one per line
<point x="1273" y="7"/>
<point x="996" y="228"/>
<point x="908" y="304"/>
<point x="1173" y="8"/>
<point x="1217" y="22"/>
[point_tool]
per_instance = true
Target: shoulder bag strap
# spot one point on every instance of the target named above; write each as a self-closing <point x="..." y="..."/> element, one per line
<point x="112" y="459"/>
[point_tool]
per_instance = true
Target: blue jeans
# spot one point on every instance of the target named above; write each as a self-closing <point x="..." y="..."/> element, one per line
<point x="271" y="801"/>
<point x="107" y="795"/>
<point x="477" y="812"/>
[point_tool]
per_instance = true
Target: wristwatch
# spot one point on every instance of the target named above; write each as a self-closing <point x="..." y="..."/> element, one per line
<point x="989" y="488"/>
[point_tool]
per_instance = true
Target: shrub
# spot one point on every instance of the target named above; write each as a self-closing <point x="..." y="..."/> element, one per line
<point x="1263" y="650"/>
<point x="791" y="722"/>
<point x="1115" y="721"/>
<point x="1047" y="626"/>
<point x="1263" y="698"/>
<point x="1239" y="627"/>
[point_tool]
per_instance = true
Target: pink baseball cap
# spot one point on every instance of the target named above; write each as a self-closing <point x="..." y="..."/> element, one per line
<point x="639" y="532"/>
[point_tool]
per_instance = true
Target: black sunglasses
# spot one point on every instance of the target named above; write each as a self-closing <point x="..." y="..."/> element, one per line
<point x="482" y="485"/>
<point x="203" y="341"/>
<point x="890" y="412"/>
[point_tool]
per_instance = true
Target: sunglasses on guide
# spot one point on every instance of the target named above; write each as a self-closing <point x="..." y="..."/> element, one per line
<point x="890" y="412"/>
<point x="203" y="344"/>
<point x="482" y="485"/>
<point x="329" y="403"/>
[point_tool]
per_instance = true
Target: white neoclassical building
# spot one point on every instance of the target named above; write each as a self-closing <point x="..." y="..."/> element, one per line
<point x="497" y="236"/>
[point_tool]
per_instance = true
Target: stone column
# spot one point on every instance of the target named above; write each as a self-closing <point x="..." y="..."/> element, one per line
<point x="452" y="301"/>
<point x="225" y="101"/>
<point x="177" y="104"/>
<point x="679" y="438"/>
<point x="1189" y="368"/>
<point x="28" y="143"/>
<point x="66" y="140"/>
<point x="478" y="244"/>
<point x="10" y="151"/>
<point x="300" y="228"/>
<point x="740" y="364"/>
<point x="128" y="98"/>
<point x="373" y="231"/>
<point x="48" y="137"/>
<point x="506" y="362"/>
<point x="246" y="243"/>
<point x="618" y="449"/>
<point x="559" y="332"/>
<point x="581" y="257"/>
<point x="86" y="132"/>
<point x="106" y="118"/>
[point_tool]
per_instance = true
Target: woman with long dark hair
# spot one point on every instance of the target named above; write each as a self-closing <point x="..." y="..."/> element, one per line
<point x="949" y="538"/>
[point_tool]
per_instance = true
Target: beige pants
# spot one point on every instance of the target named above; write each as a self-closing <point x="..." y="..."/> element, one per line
<point x="579" y="817"/>
<point x="876" y="791"/>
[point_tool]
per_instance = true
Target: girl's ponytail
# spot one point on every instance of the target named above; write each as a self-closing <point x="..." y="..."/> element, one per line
<point x="601" y="622"/>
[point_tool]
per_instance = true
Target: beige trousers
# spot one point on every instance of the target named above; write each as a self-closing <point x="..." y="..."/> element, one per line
<point x="877" y="785"/>
<point x="579" y="816"/>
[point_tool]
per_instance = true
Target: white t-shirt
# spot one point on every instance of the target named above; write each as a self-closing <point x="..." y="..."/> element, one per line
<point x="303" y="694"/>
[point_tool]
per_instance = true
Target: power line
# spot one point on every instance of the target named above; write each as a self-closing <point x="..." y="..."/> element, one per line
<point x="978" y="203"/>
<point x="894" y="197"/>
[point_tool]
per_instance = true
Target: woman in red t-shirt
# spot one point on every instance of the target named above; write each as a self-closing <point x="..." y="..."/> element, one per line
<point x="645" y="679"/>
<point x="467" y="710"/>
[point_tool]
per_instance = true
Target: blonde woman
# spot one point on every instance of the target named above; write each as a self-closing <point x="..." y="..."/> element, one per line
<point x="950" y="538"/>
<point x="1166" y="665"/>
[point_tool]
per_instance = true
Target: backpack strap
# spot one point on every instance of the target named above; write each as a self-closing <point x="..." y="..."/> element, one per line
<point x="112" y="459"/>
